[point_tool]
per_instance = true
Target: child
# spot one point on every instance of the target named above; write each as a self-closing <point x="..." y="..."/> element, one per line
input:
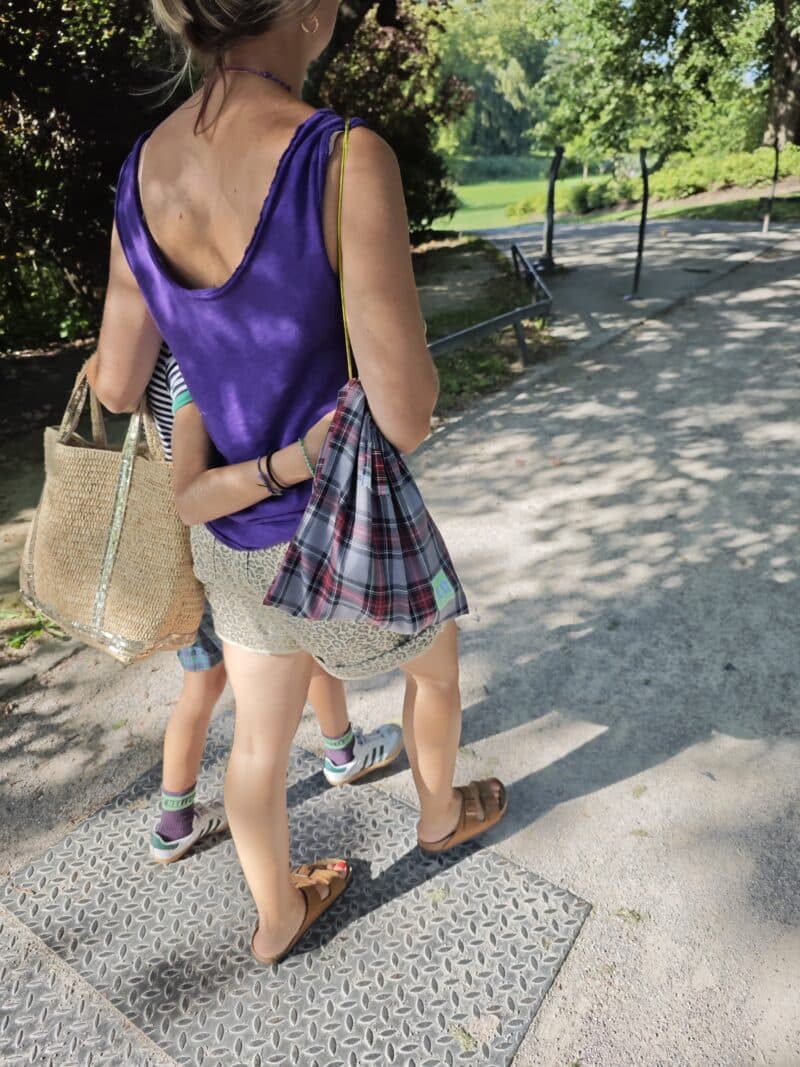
<point x="349" y="754"/>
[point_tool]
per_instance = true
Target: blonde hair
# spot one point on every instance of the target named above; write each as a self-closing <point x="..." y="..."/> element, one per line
<point x="201" y="31"/>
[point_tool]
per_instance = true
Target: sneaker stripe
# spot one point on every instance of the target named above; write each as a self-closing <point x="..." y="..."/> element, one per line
<point x="162" y="845"/>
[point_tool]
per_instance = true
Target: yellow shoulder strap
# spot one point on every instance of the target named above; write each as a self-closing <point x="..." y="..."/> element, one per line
<point x="348" y="348"/>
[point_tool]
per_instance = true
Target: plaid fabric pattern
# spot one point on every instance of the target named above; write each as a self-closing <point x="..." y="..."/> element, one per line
<point x="366" y="548"/>
<point x="206" y="652"/>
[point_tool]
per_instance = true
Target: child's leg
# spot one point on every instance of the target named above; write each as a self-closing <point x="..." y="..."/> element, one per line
<point x="327" y="697"/>
<point x="349" y="754"/>
<point x="185" y="737"/>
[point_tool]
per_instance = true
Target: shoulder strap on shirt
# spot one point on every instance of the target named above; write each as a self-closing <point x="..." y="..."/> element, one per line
<point x="348" y="347"/>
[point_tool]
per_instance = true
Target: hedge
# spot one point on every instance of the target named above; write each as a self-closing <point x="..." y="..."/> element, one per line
<point x="682" y="177"/>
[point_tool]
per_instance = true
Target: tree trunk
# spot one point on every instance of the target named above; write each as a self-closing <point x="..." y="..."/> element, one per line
<point x="784" y="114"/>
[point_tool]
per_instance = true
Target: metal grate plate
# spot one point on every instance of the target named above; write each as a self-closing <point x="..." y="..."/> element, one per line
<point x="50" y="1017"/>
<point x="424" y="962"/>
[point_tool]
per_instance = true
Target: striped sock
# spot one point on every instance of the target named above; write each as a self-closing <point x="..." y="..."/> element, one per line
<point x="339" y="750"/>
<point x="177" y="814"/>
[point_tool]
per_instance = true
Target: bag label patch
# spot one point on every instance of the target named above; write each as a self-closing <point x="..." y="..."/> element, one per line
<point x="443" y="590"/>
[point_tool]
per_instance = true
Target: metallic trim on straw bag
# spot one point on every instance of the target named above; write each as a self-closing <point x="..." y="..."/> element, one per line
<point x="124" y="649"/>
<point x="29" y="550"/>
<point x="127" y="458"/>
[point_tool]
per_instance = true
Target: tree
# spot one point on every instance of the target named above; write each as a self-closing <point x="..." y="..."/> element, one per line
<point x="623" y="73"/>
<point x="71" y="79"/>
<point x="67" y="118"/>
<point x="390" y="78"/>
<point x="784" y="113"/>
<point x="493" y="46"/>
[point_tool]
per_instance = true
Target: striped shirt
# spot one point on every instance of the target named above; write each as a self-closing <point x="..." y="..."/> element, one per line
<point x="166" y="394"/>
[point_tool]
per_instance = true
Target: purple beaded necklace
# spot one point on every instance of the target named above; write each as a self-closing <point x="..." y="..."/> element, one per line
<point x="268" y="75"/>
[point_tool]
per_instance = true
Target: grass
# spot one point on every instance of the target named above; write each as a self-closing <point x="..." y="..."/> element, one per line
<point x="20" y="626"/>
<point x="463" y="282"/>
<point x="483" y="205"/>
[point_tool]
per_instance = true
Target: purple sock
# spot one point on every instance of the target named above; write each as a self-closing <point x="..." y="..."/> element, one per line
<point x="177" y="814"/>
<point x="339" y="750"/>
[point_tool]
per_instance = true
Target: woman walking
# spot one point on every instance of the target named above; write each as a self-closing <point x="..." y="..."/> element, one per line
<point x="243" y="288"/>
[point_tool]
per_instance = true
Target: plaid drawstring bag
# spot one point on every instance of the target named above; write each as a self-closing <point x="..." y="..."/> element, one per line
<point x="366" y="549"/>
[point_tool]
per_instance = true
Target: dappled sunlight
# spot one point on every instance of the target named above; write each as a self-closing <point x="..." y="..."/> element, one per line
<point x="627" y="531"/>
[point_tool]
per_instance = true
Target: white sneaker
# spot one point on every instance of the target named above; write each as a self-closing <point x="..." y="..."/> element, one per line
<point x="370" y="752"/>
<point x="208" y="819"/>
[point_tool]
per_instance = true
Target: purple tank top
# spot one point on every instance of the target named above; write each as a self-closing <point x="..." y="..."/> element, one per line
<point x="263" y="354"/>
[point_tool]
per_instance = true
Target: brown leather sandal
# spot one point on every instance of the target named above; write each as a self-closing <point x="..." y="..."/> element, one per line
<point x="475" y="797"/>
<point x="307" y="877"/>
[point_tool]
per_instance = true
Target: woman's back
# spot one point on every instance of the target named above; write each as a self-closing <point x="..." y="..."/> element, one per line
<point x="227" y="243"/>
<point x="202" y="193"/>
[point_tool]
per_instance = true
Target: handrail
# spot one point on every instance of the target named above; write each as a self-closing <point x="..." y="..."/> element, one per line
<point x="539" y="307"/>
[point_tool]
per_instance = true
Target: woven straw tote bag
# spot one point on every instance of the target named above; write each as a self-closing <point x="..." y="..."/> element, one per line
<point x="107" y="557"/>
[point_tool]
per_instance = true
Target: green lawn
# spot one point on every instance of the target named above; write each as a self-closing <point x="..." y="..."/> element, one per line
<point x="483" y="207"/>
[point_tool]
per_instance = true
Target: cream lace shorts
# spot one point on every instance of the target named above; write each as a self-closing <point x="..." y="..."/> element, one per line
<point x="235" y="584"/>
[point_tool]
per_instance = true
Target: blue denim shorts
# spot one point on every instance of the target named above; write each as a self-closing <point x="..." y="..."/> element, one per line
<point x="206" y="652"/>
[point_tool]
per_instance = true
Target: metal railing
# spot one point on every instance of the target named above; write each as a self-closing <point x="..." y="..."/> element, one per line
<point x="540" y="306"/>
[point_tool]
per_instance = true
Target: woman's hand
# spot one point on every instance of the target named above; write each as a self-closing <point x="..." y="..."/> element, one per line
<point x="315" y="437"/>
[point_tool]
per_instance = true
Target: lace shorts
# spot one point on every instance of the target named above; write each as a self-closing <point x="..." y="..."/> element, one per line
<point x="236" y="582"/>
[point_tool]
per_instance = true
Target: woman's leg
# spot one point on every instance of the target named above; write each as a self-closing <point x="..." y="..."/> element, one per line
<point x="270" y="692"/>
<point x="431" y="730"/>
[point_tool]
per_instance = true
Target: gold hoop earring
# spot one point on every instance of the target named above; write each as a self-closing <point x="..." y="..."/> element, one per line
<point x="314" y="25"/>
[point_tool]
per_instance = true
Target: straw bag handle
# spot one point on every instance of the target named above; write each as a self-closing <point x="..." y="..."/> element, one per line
<point x="142" y="419"/>
<point x="347" y="345"/>
<point x="74" y="410"/>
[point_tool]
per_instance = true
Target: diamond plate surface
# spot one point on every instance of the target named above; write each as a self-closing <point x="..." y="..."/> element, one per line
<point x="424" y="962"/>
<point x="50" y="1017"/>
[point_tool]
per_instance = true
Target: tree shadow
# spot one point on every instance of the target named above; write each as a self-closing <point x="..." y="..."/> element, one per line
<point x="628" y="534"/>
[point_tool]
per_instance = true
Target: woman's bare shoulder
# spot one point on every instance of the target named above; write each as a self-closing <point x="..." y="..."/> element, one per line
<point x="369" y="150"/>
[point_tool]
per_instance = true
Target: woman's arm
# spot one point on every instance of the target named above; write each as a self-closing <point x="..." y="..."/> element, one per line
<point x="129" y="339"/>
<point x="204" y="494"/>
<point x="386" y="325"/>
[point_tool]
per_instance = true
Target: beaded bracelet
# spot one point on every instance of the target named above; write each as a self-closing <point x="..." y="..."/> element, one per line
<point x="266" y="477"/>
<point x="302" y="444"/>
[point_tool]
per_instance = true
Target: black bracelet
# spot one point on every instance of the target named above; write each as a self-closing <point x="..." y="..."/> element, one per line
<point x="265" y="476"/>
<point x="281" y="487"/>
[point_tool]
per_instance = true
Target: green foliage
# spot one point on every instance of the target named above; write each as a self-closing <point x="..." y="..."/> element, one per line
<point x="492" y="45"/>
<point x="71" y="105"/>
<point x="579" y="197"/>
<point x="686" y="176"/>
<point x="683" y="177"/>
<point x="469" y="171"/>
<point x="67" y="117"/>
<point x="390" y="78"/>
<point x="679" y="181"/>
<point x="21" y="626"/>
<point x="667" y="75"/>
